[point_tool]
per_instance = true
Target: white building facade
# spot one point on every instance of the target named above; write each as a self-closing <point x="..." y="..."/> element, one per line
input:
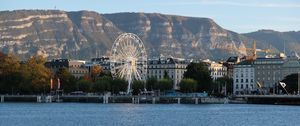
<point x="243" y="78"/>
<point x="175" y="69"/>
<point x="217" y="70"/>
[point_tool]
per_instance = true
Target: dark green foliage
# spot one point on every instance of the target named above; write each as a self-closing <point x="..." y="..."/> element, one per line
<point x="151" y="83"/>
<point x="137" y="87"/>
<point x="103" y="84"/>
<point x="188" y="85"/>
<point x="84" y="85"/>
<point x="10" y="73"/>
<point x="220" y="83"/>
<point x="164" y="85"/>
<point x="291" y="82"/>
<point x="67" y="80"/>
<point x="200" y="73"/>
<point x="118" y="85"/>
<point x="166" y="75"/>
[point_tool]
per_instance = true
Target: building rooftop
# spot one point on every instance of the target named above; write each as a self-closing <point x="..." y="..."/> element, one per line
<point x="167" y="61"/>
<point x="245" y="62"/>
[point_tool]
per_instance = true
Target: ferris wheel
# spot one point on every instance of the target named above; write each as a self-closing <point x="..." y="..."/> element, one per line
<point x="128" y="59"/>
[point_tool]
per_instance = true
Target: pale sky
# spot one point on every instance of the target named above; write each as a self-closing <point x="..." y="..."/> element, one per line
<point x="237" y="15"/>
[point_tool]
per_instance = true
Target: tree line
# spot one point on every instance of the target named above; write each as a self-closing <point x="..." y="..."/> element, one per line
<point x="32" y="77"/>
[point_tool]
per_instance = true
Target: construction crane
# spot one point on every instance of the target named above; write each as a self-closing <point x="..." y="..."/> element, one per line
<point x="253" y="51"/>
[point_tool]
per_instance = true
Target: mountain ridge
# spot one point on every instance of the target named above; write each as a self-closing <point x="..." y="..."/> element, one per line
<point x="87" y="34"/>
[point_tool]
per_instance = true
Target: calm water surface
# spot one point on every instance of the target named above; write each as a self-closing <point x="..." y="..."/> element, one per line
<point x="83" y="114"/>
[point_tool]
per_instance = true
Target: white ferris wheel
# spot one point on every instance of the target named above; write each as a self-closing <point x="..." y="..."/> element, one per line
<point x="128" y="58"/>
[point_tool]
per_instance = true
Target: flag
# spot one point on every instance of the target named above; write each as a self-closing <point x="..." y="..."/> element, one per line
<point x="258" y="84"/>
<point x="51" y="84"/>
<point x="282" y="84"/>
<point x="58" y="83"/>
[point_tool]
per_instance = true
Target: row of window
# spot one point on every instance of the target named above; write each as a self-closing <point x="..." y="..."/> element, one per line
<point x="242" y="80"/>
<point x="263" y="73"/>
<point x="162" y="76"/>
<point x="162" y="71"/>
<point x="241" y="70"/>
<point x="267" y="78"/>
<point x="244" y="87"/>
<point x="268" y="67"/>
<point x="268" y="62"/>
<point x="167" y="66"/>
<point x="242" y="75"/>
<point x="218" y="73"/>
<point x="79" y="71"/>
<point x="217" y="69"/>
<point x="75" y="65"/>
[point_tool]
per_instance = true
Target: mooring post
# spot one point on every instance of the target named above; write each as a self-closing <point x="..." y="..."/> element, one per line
<point x="2" y="98"/>
<point x="49" y="99"/>
<point x="39" y="99"/>
<point x="153" y="100"/>
<point x="132" y="100"/>
<point x="105" y="99"/>
<point x="178" y="100"/>
<point x="196" y="100"/>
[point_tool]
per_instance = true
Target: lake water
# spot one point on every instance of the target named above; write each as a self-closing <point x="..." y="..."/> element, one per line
<point x="84" y="114"/>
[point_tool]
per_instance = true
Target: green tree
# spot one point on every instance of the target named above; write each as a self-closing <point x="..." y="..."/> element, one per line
<point x="10" y="74"/>
<point x="220" y="83"/>
<point x="102" y="84"/>
<point x="137" y="87"/>
<point x="200" y="73"/>
<point x="84" y="85"/>
<point x="118" y="84"/>
<point x="291" y="82"/>
<point x="164" y="85"/>
<point x="67" y="80"/>
<point x="166" y="75"/>
<point x="188" y="85"/>
<point x="151" y="83"/>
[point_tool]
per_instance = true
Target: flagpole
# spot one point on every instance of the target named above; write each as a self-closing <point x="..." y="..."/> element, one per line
<point x="283" y="85"/>
<point x="286" y="91"/>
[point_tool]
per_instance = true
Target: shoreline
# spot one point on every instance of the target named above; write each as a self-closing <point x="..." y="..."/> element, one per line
<point x="141" y="99"/>
<point x="104" y="99"/>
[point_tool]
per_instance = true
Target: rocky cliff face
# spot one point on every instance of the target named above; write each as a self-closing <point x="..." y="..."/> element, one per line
<point x="86" y="34"/>
<point x="278" y="40"/>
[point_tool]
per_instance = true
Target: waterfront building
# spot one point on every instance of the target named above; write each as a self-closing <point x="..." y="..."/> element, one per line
<point x="75" y="67"/>
<point x="243" y="77"/>
<point x="231" y="61"/>
<point x="103" y="62"/>
<point x="291" y="65"/>
<point x="56" y="64"/>
<point x="174" y="67"/>
<point x="268" y="72"/>
<point x="217" y="70"/>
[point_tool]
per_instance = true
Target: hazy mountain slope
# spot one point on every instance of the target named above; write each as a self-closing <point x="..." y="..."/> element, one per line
<point x="279" y="40"/>
<point x="86" y="34"/>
